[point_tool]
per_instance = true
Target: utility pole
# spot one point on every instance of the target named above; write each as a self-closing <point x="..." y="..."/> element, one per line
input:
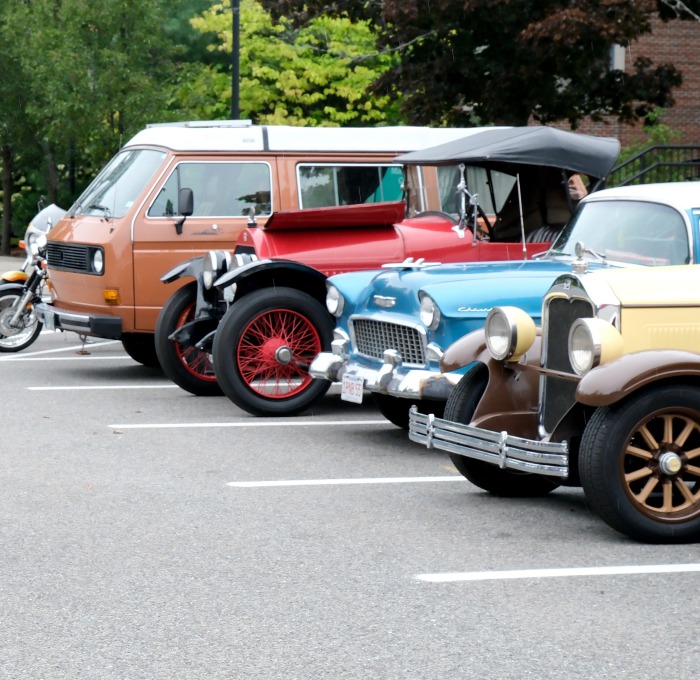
<point x="235" y="59"/>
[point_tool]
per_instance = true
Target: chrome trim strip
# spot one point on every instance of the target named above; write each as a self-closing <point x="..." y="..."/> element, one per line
<point x="498" y="448"/>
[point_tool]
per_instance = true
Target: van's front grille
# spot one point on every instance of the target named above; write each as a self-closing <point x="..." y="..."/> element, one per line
<point x="69" y="257"/>
<point x="372" y="338"/>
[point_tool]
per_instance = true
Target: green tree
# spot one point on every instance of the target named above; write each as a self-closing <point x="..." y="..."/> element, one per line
<point x="506" y="61"/>
<point x="317" y="74"/>
<point x="85" y="78"/>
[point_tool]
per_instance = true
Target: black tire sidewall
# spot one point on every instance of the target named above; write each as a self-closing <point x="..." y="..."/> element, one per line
<point x="166" y="350"/>
<point x="460" y="407"/>
<point x="229" y="334"/>
<point x="141" y="348"/>
<point x="395" y="409"/>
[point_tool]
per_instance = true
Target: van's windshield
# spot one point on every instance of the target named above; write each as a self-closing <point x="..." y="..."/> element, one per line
<point x="119" y="183"/>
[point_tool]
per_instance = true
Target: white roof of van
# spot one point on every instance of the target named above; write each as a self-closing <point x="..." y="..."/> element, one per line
<point x="243" y="136"/>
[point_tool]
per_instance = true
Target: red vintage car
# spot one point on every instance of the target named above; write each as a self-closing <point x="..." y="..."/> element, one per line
<point x="258" y="314"/>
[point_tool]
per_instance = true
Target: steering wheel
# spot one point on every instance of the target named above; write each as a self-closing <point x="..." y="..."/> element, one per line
<point x="481" y="233"/>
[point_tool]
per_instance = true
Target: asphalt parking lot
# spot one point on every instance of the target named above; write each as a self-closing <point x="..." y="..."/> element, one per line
<point x="148" y="533"/>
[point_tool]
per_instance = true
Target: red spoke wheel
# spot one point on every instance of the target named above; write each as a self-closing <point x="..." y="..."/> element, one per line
<point x="264" y="346"/>
<point x="640" y="464"/>
<point x="187" y="367"/>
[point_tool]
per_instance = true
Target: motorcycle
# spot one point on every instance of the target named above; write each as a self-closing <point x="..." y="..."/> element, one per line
<point x="20" y="290"/>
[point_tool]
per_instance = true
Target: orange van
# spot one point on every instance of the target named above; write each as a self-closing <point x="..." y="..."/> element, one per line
<point x="106" y="256"/>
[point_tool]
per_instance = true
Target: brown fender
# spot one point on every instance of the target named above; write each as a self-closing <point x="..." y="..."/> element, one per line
<point x="512" y="394"/>
<point x="513" y="389"/>
<point x="609" y="383"/>
<point x="462" y="352"/>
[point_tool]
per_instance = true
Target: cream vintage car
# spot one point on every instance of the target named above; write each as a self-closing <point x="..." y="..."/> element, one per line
<point x="605" y="395"/>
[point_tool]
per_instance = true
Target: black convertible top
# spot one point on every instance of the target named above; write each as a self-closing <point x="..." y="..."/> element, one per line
<point x="506" y="148"/>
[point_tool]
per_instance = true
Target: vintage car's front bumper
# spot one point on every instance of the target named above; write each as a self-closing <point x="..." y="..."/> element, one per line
<point x="392" y="378"/>
<point x="499" y="448"/>
<point x="99" y="325"/>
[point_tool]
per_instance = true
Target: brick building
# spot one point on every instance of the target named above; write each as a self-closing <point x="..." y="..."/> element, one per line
<point x="671" y="42"/>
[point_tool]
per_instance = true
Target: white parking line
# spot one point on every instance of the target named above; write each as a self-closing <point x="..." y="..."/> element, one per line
<point x="29" y="356"/>
<point x="327" y="482"/>
<point x="164" y="386"/>
<point x="114" y="357"/>
<point x="285" y="422"/>
<point x="551" y="573"/>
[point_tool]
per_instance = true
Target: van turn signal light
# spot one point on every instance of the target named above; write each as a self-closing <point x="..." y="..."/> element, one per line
<point x="112" y="296"/>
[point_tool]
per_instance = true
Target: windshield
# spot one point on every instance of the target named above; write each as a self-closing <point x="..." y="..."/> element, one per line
<point x="492" y="188"/>
<point x="119" y="183"/>
<point x="635" y="232"/>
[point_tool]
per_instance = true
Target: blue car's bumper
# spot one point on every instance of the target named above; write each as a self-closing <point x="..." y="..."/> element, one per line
<point x="389" y="377"/>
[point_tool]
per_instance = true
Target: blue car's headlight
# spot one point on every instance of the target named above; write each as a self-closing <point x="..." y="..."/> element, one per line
<point x="335" y="302"/>
<point x="429" y="312"/>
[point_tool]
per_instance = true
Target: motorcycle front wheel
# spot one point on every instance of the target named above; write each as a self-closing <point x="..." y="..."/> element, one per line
<point x="26" y="331"/>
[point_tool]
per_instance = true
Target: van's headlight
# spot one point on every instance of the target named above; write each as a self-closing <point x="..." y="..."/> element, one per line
<point x="510" y="332"/>
<point x="429" y="313"/>
<point x="216" y="263"/>
<point x="335" y="302"/>
<point x="98" y="261"/>
<point x="593" y="342"/>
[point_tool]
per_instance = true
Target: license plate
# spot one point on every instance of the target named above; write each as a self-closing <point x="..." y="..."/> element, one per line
<point x="352" y="389"/>
<point x="49" y="321"/>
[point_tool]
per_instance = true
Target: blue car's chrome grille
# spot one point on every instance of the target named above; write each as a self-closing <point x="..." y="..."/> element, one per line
<point x="372" y="337"/>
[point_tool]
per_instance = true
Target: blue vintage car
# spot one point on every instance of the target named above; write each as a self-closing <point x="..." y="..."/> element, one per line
<point x="394" y="325"/>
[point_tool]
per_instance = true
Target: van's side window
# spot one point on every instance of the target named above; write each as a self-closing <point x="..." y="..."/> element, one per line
<point x="220" y="189"/>
<point x="327" y="185"/>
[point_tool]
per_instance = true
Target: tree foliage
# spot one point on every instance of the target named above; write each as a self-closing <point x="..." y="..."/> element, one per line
<point x="86" y="76"/>
<point x="510" y="61"/>
<point x="80" y="77"/>
<point x="316" y="74"/>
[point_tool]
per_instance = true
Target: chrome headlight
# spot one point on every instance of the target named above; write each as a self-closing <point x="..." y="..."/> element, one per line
<point x="429" y="313"/>
<point x="30" y="243"/>
<point x="593" y="342"/>
<point x="36" y="243"/>
<point x="98" y="261"/>
<point x="335" y="302"/>
<point x="510" y="332"/>
<point x="216" y="263"/>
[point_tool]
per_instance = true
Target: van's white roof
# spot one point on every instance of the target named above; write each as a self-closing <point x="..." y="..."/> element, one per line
<point x="243" y="136"/>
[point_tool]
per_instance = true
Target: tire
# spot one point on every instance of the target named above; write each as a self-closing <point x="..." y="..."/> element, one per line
<point x="190" y="368"/>
<point x="460" y="407"/>
<point x="16" y="339"/>
<point x="395" y="409"/>
<point x="628" y="458"/>
<point x="141" y="347"/>
<point x="247" y="346"/>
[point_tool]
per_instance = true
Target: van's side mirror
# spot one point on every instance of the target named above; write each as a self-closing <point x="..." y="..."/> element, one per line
<point x="185" y="207"/>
